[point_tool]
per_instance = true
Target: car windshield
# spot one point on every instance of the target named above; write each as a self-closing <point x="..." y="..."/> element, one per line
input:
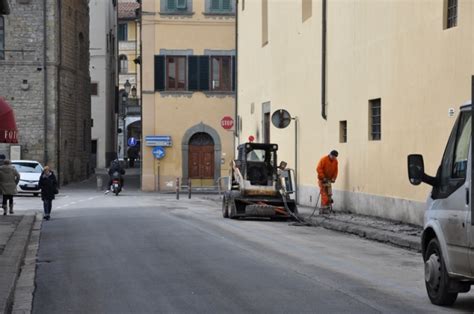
<point x="260" y="155"/>
<point x="28" y="167"/>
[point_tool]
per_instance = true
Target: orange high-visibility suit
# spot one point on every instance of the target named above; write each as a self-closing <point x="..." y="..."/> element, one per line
<point x="327" y="171"/>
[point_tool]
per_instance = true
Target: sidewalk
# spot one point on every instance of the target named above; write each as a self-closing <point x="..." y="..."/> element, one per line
<point x="372" y="228"/>
<point x="15" y="231"/>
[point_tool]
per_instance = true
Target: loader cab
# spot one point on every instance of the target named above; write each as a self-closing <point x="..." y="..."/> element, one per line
<point x="448" y="236"/>
<point x="258" y="163"/>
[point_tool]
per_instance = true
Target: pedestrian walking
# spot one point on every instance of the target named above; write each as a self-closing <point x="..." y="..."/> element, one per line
<point x="9" y="178"/>
<point x="49" y="188"/>
<point x="327" y="170"/>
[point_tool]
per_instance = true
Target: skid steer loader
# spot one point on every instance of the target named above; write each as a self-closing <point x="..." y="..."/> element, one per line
<point x="257" y="187"/>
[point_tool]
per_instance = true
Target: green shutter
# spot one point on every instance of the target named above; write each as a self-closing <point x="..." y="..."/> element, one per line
<point x="226" y="5"/>
<point x="215" y="5"/>
<point x="159" y="73"/>
<point x="193" y="73"/>
<point x="171" y="5"/>
<point x="181" y="4"/>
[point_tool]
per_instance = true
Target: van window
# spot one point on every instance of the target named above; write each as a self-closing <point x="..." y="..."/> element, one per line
<point x="453" y="169"/>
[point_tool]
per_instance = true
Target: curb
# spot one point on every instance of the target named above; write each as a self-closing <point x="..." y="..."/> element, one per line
<point x="370" y="233"/>
<point x="12" y="260"/>
<point x="400" y="240"/>
<point x="25" y="286"/>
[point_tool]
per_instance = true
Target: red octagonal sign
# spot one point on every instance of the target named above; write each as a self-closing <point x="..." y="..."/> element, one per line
<point x="227" y="122"/>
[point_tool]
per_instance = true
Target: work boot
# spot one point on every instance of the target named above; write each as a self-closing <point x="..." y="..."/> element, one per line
<point x="324" y="210"/>
<point x="4" y="209"/>
<point x="11" y="208"/>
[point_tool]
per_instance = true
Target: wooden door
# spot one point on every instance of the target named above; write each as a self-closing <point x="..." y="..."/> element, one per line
<point x="201" y="157"/>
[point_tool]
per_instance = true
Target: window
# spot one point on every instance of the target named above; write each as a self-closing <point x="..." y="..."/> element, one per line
<point x="243" y="5"/>
<point x="375" y="119"/>
<point x="264" y="22"/>
<point x="453" y="170"/>
<point x="175" y="73"/>
<point x="94" y="89"/>
<point x="123" y="64"/>
<point x="176" y="5"/>
<point x="2" y="38"/>
<point x="307" y="9"/>
<point x="220" y="6"/>
<point x="123" y="32"/>
<point x="451" y="13"/>
<point x="342" y="131"/>
<point x="221" y="71"/>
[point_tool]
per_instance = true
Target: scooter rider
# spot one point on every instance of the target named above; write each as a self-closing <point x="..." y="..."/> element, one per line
<point x="115" y="167"/>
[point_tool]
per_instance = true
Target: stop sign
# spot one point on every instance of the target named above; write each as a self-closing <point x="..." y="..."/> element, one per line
<point x="227" y="122"/>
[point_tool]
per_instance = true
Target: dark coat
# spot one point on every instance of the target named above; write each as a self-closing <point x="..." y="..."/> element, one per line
<point x="48" y="185"/>
<point x="9" y="178"/>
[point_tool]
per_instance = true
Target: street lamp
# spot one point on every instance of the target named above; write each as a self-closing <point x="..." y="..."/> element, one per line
<point x="127" y="86"/>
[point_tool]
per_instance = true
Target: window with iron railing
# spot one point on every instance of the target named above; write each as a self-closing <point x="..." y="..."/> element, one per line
<point x="451" y="13"/>
<point x="375" y="119"/>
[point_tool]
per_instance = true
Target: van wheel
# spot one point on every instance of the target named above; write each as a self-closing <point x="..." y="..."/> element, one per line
<point x="436" y="276"/>
<point x="225" y="207"/>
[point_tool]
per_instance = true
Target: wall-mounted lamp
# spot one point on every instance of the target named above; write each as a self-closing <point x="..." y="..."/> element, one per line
<point x="24" y="85"/>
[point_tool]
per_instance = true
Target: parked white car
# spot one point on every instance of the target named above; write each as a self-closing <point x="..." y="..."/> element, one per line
<point x="30" y="172"/>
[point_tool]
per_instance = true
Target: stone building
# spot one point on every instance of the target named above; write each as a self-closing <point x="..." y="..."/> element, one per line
<point x="44" y="63"/>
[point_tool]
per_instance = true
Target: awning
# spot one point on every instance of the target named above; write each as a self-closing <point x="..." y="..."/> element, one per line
<point x="8" y="131"/>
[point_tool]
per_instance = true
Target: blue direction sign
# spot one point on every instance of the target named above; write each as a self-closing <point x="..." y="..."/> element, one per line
<point x="132" y="141"/>
<point x="158" y="152"/>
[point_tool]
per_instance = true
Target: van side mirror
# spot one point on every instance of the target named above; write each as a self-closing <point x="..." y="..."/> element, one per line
<point x="416" y="169"/>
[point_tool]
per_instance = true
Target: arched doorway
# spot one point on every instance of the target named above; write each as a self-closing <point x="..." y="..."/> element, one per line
<point x="201" y="156"/>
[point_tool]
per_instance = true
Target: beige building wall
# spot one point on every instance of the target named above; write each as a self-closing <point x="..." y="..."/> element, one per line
<point x="174" y="113"/>
<point x="398" y="51"/>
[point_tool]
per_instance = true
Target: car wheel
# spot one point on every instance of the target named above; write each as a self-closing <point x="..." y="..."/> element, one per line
<point x="225" y="207"/>
<point x="436" y="276"/>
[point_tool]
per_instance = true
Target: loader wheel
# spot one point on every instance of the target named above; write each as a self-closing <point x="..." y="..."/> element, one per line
<point x="232" y="212"/>
<point x="225" y="207"/>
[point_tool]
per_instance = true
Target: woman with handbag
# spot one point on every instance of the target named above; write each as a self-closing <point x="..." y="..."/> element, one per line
<point x="49" y="187"/>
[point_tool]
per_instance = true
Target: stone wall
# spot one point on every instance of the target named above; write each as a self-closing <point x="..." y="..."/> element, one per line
<point x="65" y="145"/>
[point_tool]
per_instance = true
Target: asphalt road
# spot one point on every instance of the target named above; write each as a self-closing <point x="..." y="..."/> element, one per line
<point x="148" y="253"/>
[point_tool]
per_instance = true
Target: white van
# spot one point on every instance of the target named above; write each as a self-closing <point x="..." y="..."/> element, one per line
<point x="448" y="236"/>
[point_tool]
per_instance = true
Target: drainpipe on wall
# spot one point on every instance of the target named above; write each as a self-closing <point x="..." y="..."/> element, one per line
<point x="45" y="91"/>
<point x="237" y="124"/>
<point x="58" y="92"/>
<point x="323" y="62"/>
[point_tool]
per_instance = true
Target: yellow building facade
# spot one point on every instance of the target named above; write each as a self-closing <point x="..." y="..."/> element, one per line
<point x="188" y="92"/>
<point x="380" y="86"/>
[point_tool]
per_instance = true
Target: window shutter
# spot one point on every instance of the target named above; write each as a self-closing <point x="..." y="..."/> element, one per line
<point x="159" y="73"/>
<point x="204" y="73"/>
<point x="193" y="73"/>
<point x="181" y="4"/>
<point x="226" y="5"/>
<point x="171" y="5"/>
<point x="234" y="73"/>
<point x="215" y="5"/>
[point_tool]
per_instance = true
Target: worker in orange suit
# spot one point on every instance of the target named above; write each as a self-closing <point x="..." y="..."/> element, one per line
<point x="327" y="174"/>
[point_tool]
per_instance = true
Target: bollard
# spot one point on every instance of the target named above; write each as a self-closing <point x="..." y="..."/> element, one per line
<point x="189" y="188"/>
<point x="99" y="183"/>
<point x="177" y="188"/>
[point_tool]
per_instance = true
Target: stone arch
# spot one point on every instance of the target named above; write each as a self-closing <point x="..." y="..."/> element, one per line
<point x="201" y="127"/>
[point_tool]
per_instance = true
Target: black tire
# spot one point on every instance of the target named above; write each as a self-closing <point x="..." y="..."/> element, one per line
<point x="225" y="207"/>
<point x="232" y="209"/>
<point x="439" y="293"/>
<point x="116" y="193"/>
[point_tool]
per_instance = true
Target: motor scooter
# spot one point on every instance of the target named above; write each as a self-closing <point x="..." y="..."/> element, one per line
<point x="116" y="186"/>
